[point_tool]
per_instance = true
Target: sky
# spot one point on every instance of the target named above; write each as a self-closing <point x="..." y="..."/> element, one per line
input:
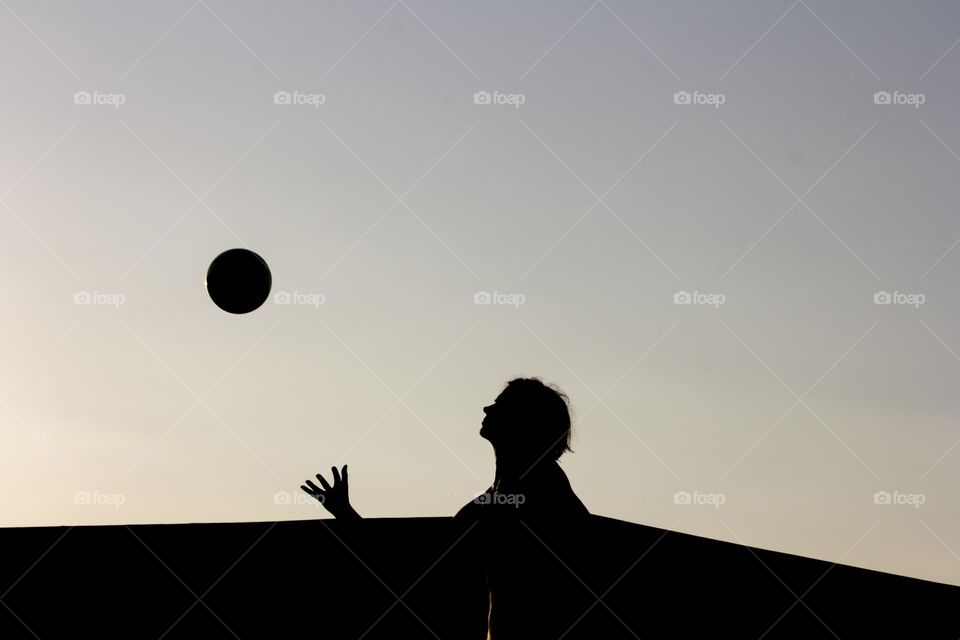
<point x="728" y="231"/>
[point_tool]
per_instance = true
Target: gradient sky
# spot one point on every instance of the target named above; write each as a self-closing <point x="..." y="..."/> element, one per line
<point x="398" y="198"/>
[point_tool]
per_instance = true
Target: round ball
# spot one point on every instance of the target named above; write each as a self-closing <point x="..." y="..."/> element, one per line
<point x="238" y="281"/>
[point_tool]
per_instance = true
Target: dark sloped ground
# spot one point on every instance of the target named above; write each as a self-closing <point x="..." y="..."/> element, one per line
<point x="428" y="577"/>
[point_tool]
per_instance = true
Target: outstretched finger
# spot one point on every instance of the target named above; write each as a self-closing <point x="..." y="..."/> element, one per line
<point x="323" y="483"/>
<point x="336" y="475"/>
<point x="313" y="488"/>
<point x="344" y="474"/>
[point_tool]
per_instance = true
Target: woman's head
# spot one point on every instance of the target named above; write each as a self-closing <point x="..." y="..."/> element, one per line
<point x="530" y="419"/>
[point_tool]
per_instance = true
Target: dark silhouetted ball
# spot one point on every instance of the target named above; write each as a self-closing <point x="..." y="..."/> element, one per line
<point x="238" y="281"/>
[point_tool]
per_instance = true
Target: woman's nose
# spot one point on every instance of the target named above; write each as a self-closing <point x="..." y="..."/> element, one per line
<point x="486" y="410"/>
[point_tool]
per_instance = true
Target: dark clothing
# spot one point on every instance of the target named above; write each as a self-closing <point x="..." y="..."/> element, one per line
<point x="528" y="529"/>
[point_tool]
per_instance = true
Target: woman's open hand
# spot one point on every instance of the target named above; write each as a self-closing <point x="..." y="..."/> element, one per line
<point x="335" y="498"/>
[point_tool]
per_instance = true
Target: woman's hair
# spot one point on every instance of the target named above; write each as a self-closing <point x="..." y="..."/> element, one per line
<point x="545" y="411"/>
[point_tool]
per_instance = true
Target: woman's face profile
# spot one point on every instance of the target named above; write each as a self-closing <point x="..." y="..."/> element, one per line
<point x="491" y="428"/>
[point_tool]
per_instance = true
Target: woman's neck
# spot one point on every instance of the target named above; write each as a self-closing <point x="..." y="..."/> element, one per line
<point x="512" y="468"/>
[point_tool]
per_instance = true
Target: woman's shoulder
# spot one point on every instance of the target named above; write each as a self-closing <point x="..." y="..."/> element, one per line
<point x="473" y="508"/>
<point x="547" y="494"/>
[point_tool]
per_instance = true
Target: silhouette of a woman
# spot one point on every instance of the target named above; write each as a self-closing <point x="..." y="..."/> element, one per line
<point x="529" y="427"/>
